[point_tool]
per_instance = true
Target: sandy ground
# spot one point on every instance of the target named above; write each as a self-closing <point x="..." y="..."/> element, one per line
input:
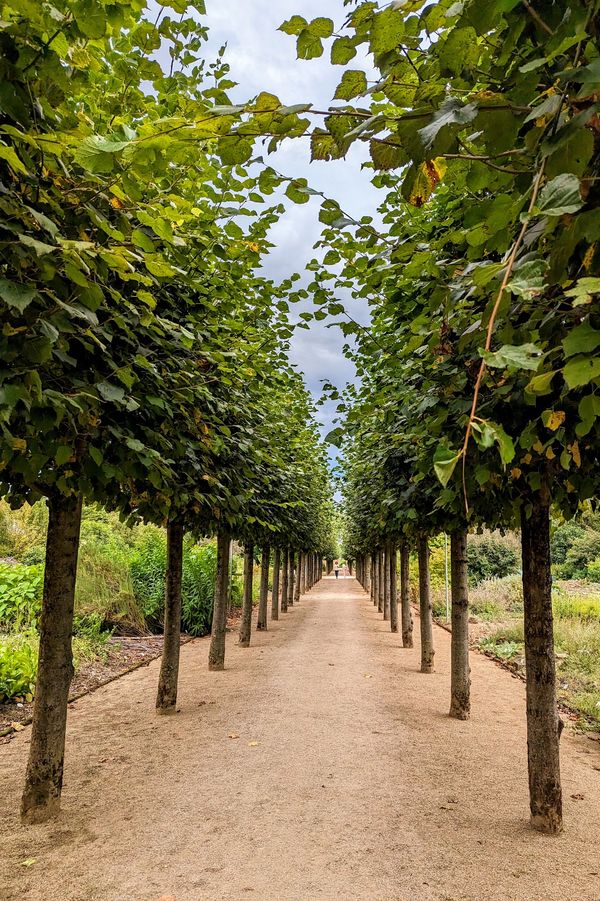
<point x="320" y="764"/>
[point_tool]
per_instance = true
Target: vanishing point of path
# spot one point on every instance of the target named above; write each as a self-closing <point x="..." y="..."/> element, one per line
<point x="320" y="764"/>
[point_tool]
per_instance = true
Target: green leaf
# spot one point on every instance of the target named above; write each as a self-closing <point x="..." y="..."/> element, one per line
<point x="387" y="30"/>
<point x="353" y="84"/>
<point x="90" y="17"/>
<point x="342" y="51"/>
<point x="444" y="463"/>
<point x="561" y="195"/>
<point x="459" y="51"/>
<point x="8" y="154"/>
<point x="63" y="454"/>
<point x="17" y="296"/>
<point x="581" y="371"/>
<point x="541" y="384"/>
<point x="40" y="248"/>
<point x="583" y="339"/>
<point x="109" y="392"/>
<point x="295" y="25"/>
<point x="308" y="45"/>
<point x="451" y="112"/>
<point x="234" y="150"/>
<point x="584" y="290"/>
<point x="528" y="280"/>
<point x="386" y="155"/>
<point x="522" y="356"/>
<point x="321" y="27"/>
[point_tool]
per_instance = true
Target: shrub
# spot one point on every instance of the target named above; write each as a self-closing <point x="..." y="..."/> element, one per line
<point x="18" y="666"/>
<point x="490" y="558"/>
<point x="593" y="570"/>
<point x="147" y="569"/>
<point x="584" y="550"/>
<point x="562" y="538"/>
<point x="20" y="595"/>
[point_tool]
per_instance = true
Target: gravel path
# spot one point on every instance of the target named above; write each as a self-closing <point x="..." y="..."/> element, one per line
<point x="320" y="764"/>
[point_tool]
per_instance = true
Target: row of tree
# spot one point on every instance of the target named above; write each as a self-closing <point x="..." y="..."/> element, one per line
<point x="143" y="357"/>
<point x="478" y="404"/>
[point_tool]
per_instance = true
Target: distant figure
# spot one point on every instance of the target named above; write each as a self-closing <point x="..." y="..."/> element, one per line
<point x="336" y="568"/>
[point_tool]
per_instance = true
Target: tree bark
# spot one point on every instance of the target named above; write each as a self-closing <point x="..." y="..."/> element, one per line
<point x="298" y="585"/>
<point x="285" y="578"/>
<point x="407" y="620"/>
<point x="460" y="682"/>
<point x="368" y="573"/>
<point x="166" y="698"/>
<point x="275" y="593"/>
<point x="386" y="582"/>
<point x="393" y="587"/>
<point x="246" y="621"/>
<point x="291" y="578"/>
<point x="376" y="579"/>
<point x="261" y="623"/>
<point x="216" y="654"/>
<point x="425" y="612"/>
<point x="545" y="794"/>
<point x="44" y="776"/>
<point x="381" y="580"/>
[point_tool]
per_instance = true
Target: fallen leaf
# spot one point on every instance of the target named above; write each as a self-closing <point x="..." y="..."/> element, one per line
<point x="233" y="735"/>
<point x="578" y="797"/>
<point x="368" y="676"/>
<point x="18" y="727"/>
<point x="253" y="744"/>
<point x="29" y="861"/>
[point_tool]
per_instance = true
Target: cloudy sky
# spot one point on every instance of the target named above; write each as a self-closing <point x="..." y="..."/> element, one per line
<point x="264" y="59"/>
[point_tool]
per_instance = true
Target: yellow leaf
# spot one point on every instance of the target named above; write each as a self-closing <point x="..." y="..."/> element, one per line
<point x="428" y="177"/>
<point x="253" y="744"/>
<point x="19" y="444"/>
<point x="574" y="448"/>
<point x="556" y="419"/>
<point x="515" y="472"/>
<point x="550" y="454"/>
<point x="18" y="727"/>
<point x="588" y="257"/>
<point x="29" y="861"/>
<point x="114" y="201"/>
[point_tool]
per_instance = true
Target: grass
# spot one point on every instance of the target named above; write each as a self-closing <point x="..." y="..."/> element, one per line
<point x="577" y="644"/>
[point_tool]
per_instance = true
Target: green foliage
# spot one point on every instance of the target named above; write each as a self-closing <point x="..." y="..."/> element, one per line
<point x="584" y="550"/>
<point x="18" y="666"/>
<point x="20" y="596"/>
<point x="490" y="558"/>
<point x="198" y="588"/>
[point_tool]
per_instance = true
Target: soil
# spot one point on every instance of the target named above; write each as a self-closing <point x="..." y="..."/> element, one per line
<point x="320" y="764"/>
<point x="122" y="654"/>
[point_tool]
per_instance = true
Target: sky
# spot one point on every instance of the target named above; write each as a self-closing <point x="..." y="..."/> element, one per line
<point x="264" y="59"/>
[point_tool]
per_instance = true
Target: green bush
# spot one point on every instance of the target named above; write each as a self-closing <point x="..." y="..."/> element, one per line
<point x="593" y="570"/>
<point x="148" y="567"/>
<point x="18" y="666"/>
<point x="20" y="595"/>
<point x="562" y="538"/>
<point x="490" y="558"/>
<point x="584" y="550"/>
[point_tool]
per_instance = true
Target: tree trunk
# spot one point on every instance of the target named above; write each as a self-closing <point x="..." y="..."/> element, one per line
<point x="545" y="795"/>
<point x="368" y="574"/>
<point x="393" y="588"/>
<point x="376" y="579"/>
<point x="285" y="578"/>
<point x="350" y="562"/>
<point x="460" y="682"/>
<point x="425" y="613"/>
<point x="166" y="698"/>
<point x="261" y="623"/>
<point x="386" y="582"/>
<point x="44" y="776"/>
<point x="216" y="654"/>
<point x="291" y="578"/>
<point x="407" y="620"/>
<point x="298" y="584"/>
<point x="381" y="580"/>
<point x="275" y="593"/>
<point x="246" y="621"/>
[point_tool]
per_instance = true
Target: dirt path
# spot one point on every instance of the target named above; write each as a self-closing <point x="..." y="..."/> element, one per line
<point x="347" y="781"/>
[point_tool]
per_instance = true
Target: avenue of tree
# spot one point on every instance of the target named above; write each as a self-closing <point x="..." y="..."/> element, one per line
<point x="144" y="355"/>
